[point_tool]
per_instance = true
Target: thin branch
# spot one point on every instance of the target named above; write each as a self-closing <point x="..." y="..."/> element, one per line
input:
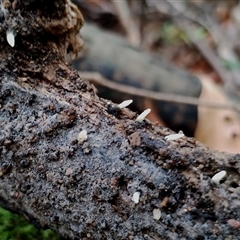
<point x="97" y="78"/>
<point x="124" y="14"/>
<point x="208" y="53"/>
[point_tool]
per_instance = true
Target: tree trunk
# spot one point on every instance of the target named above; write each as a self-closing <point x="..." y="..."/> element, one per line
<point x="82" y="186"/>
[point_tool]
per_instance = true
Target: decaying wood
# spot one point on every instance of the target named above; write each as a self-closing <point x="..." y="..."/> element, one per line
<point x="84" y="188"/>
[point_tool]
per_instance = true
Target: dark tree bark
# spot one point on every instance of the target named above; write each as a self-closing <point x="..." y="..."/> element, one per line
<point x="84" y="188"/>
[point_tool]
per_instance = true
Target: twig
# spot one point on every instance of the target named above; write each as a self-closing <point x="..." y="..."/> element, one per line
<point x="98" y="79"/>
<point x="207" y="53"/>
<point x="127" y="22"/>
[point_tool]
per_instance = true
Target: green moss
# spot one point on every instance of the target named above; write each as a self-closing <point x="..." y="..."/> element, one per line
<point x="14" y="227"/>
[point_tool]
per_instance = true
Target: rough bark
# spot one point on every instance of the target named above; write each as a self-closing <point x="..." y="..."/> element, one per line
<point x="84" y="189"/>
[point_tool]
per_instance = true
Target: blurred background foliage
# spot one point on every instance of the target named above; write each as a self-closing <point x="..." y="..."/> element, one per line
<point x="15" y="227"/>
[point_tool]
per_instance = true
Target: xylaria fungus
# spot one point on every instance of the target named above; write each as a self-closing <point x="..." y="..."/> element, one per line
<point x="136" y="197"/>
<point x="175" y="136"/>
<point x="143" y="115"/>
<point x="219" y="176"/>
<point x="82" y="136"/>
<point x="125" y="103"/>
<point x="11" y="37"/>
<point x="156" y="213"/>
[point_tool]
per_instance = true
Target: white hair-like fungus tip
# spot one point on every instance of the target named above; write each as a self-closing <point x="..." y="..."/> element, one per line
<point x="10" y="37"/>
<point x="175" y="136"/>
<point x="125" y="103"/>
<point x="143" y="115"/>
<point x="82" y="136"/>
<point x="136" y="197"/>
<point x="219" y="176"/>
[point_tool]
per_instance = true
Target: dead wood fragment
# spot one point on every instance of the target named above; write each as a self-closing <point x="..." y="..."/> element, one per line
<point x="172" y="97"/>
<point x="85" y="189"/>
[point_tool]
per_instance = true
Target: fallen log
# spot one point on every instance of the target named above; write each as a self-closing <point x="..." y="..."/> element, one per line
<point x="171" y="93"/>
<point x="118" y="179"/>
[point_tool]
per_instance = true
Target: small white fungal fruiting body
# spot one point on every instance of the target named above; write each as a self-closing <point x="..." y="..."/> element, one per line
<point x="156" y="214"/>
<point x="143" y="115"/>
<point x="175" y="136"/>
<point x="82" y="136"/>
<point x="125" y="103"/>
<point x="219" y="176"/>
<point x="136" y="197"/>
<point x="11" y="37"/>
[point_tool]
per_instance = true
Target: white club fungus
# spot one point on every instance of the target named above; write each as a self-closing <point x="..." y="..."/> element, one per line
<point x="143" y="115"/>
<point x="82" y="136"/>
<point x="219" y="176"/>
<point x="136" y="197"/>
<point x="175" y="136"/>
<point x="10" y="37"/>
<point x="156" y="213"/>
<point x="125" y="103"/>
